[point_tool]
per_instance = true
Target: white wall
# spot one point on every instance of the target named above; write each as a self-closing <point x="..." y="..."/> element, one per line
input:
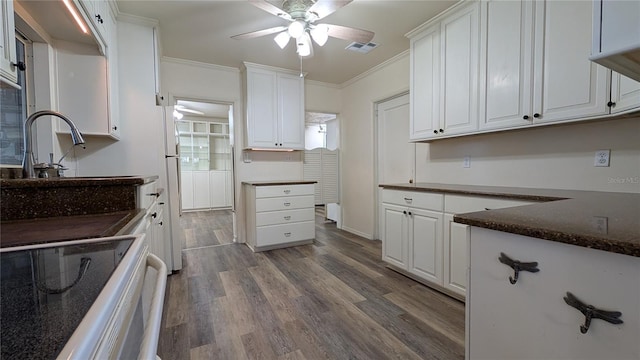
<point x="314" y="137"/>
<point x="356" y="150"/>
<point x="199" y="81"/>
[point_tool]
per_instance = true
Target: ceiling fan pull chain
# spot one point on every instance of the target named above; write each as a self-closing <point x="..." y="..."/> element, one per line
<point x="301" y="75"/>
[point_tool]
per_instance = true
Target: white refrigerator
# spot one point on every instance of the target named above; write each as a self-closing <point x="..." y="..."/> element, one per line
<point x="173" y="233"/>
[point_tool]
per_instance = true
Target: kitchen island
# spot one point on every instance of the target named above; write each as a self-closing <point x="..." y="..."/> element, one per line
<point x="557" y="278"/>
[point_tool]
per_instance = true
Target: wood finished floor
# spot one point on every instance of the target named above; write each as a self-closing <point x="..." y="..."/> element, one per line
<point x="333" y="299"/>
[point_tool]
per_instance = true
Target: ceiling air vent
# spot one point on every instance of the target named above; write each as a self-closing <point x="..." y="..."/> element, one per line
<point x="361" y="48"/>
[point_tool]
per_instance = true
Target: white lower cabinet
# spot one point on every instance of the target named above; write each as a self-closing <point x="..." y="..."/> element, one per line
<point x="419" y="235"/>
<point x="412" y="233"/>
<point x="530" y="319"/>
<point x="279" y="215"/>
<point x="202" y="189"/>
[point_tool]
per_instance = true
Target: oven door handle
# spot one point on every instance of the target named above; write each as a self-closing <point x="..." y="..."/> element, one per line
<point x="149" y="346"/>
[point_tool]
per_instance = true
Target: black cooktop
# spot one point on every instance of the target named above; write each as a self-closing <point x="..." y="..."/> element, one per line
<point x="45" y="293"/>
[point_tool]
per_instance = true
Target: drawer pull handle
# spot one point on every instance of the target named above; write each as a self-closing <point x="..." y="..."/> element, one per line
<point x="518" y="266"/>
<point x="154" y="215"/>
<point x="288" y="217"/>
<point x="287" y="204"/>
<point x="591" y="312"/>
<point x="287" y="234"/>
<point x="408" y="199"/>
<point x="287" y="191"/>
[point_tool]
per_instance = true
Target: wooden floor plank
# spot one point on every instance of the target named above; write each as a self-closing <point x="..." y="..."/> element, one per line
<point x="333" y="299"/>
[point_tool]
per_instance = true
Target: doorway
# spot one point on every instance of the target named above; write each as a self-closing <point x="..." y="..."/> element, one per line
<point x="395" y="155"/>
<point x="205" y="148"/>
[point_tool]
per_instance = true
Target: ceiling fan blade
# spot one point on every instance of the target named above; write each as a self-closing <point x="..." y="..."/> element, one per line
<point x="349" y="33"/>
<point x="272" y="9"/>
<point x="326" y="7"/>
<point x="255" y="34"/>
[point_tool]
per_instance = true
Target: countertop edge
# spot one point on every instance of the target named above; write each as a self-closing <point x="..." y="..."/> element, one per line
<point x="277" y="182"/>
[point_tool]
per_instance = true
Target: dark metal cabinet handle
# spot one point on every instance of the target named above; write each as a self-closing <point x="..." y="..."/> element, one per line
<point x="288" y="217"/>
<point x="154" y="215"/>
<point x="590" y="312"/>
<point x="410" y="213"/>
<point x="287" y="234"/>
<point x="99" y="19"/>
<point x="518" y="266"/>
<point x="536" y="115"/>
<point x="160" y="223"/>
<point x="20" y="65"/>
<point x="435" y="131"/>
<point x="611" y="104"/>
<point x="287" y="191"/>
<point x="115" y="128"/>
<point x="405" y="212"/>
<point x="526" y="117"/>
<point x="441" y="131"/>
<point x="287" y="204"/>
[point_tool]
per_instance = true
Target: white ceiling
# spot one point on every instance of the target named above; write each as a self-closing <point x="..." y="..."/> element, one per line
<point x="201" y="31"/>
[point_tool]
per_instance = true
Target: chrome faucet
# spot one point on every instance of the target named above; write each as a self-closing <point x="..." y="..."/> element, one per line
<point x="28" y="161"/>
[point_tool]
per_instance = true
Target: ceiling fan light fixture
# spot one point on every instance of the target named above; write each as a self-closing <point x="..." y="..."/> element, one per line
<point x="296" y="29"/>
<point x="282" y="39"/>
<point x="303" y="45"/>
<point x="320" y="34"/>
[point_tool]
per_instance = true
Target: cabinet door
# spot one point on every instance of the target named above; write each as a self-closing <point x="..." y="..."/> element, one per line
<point x="425" y="84"/>
<point x="201" y="190"/>
<point x="111" y="29"/>
<point x="186" y="189"/>
<point x="425" y="244"/>
<point x="394" y="235"/>
<point x="218" y="188"/>
<point x="291" y="111"/>
<point x="530" y="319"/>
<point x="506" y="62"/>
<point x="456" y="248"/>
<point x="262" y="121"/>
<point x="459" y="79"/>
<point x="570" y="85"/>
<point x="7" y="43"/>
<point x="625" y="93"/>
<point x="82" y="87"/>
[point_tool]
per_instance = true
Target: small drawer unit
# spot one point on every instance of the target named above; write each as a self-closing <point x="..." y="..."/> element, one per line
<point x="279" y="214"/>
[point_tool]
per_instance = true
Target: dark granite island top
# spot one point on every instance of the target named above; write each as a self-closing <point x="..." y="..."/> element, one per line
<point x="600" y="220"/>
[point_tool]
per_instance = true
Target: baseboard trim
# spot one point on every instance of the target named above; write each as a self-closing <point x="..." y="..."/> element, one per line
<point x="426" y="283"/>
<point x="356" y="232"/>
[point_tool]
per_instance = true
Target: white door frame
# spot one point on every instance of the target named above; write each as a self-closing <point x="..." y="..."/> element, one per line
<point x="376" y="200"/>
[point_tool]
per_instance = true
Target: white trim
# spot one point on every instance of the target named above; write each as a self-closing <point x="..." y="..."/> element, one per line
<point x="138" y="20"/>
<point x="356" y="232"/>
<point x="246" y="64"/>
<point x="199" y="64"/>
<point x="321" y="83"/>
<point x="436" y="18"/>
<point x="374" y="69"/>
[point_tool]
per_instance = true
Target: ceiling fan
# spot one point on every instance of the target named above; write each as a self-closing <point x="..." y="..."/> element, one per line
<point x="303" y="14"/>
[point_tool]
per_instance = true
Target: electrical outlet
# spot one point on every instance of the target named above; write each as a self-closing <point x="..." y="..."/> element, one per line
<point x="602" y="158"/>
<point x="466" y="162"/>
<point x="600" y="224"/>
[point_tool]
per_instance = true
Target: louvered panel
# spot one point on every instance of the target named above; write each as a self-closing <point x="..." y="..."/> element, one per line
<point x="312" y="171"/>
<point x="329" y="176"/>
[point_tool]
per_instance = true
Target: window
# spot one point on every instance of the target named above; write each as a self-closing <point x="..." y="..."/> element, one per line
<point x="14" y="104"/>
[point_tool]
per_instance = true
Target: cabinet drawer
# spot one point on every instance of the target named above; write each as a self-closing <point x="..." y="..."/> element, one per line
<point x="284" y="203"/>
<point x="281" y="234"/>
<point x="284" y="217"/>
<point x="423" y="200"/>
<point x="458" y="204"/>
<point x="284" y="190"/>
<point x="147" y="194"/>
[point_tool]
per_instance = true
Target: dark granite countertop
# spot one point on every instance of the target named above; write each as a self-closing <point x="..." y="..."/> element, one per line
<point x="61" y="228"/>
<point x="76" y="181"/>
<point x="278" y="182"/>
<point x="600" y="220"/>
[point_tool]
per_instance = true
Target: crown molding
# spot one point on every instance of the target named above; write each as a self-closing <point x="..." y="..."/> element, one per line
<point x="321" y="83"/>
<point x="374" y="69"/>
<point x="139" y="20"/>
<point x="199" y="64"/>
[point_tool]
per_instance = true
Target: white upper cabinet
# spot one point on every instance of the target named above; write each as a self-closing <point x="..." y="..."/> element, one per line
<point x="567" y="85"/>
<point x="444" y="75"/>
<point x="274" y="108"/>
<point x="8" y="71"/>
<point x="87" y="77"/>
<point x="616" y="36"/>
<point x="625" y="93"/>
<point x="506" y="61"/>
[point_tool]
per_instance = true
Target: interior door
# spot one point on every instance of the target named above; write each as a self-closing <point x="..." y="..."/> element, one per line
<point x="396" y="156"/>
